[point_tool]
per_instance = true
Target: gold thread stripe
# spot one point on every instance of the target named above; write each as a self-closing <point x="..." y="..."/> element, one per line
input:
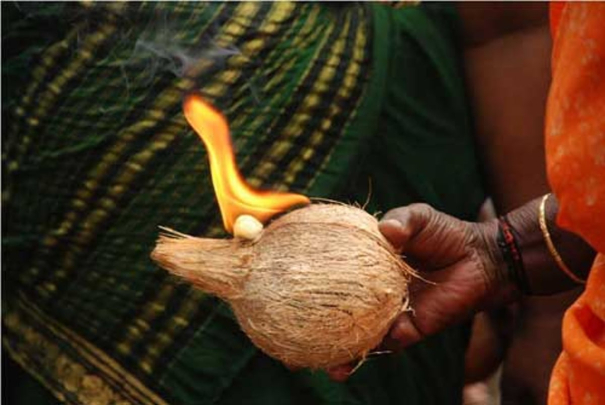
<point x="245" y="9"/>
<point x="52" y="92"/>
<point x="350" y="79"/>
<point x="97" y="38"/>
<point x="96" y="356"/>
<point x="103" y="206"/>
<point x="166" y="339"/>
<point x="214" y="230"/>
<point x="22" y="358"/>
<point x="267" y="165"/>
<point x="351" y="116"/>
<point x="141" y="324"/>
<point x="83" y="104"/>
<point x="87" y="190"/>
<point x="231" y="78"/>
<point x="154" y="350"/>
<point x="295" y="128"/>
<point x="45" y="101"/>
<point x="103" y="81"/>
<point x="154" y="115"/>
<point x="163" y="340"/>
<point x="258" y="118"/>
<point x="176" y="323"/>
<point x="188" y="306"/>
<point x="284" y="65"/>
<point x="230" y="75"/>
<point x="300" y="43"/>
<point x="68" y="381"/>
<point x="47" y="61"/>
<point x="90" y="353"/>
<point x="111" y="10"/>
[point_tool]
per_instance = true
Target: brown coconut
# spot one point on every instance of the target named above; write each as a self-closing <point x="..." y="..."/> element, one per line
<point x="320" y="287"/>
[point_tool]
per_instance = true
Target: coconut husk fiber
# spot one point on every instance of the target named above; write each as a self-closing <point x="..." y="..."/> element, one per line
<point x="320" y="287"/>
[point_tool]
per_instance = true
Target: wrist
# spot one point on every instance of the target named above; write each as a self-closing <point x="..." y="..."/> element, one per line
<point x="502" y="285"/>
<point x="541" y="271"/>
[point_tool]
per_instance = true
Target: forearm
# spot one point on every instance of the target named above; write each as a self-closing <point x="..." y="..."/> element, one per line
<point x="506" y="50"/>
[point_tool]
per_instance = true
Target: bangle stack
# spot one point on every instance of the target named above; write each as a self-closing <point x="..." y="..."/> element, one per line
<point x="551" y="247"/>
<point x="512" y="255"/>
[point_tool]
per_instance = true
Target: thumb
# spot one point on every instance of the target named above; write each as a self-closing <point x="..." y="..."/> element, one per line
<point x="403" y="333"/>
<point x="400" y="225"/>
<point x="341" y="373"/>
<point x="425" y="235"/>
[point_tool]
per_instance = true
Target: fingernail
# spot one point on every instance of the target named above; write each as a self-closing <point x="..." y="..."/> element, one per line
<point x="396" y="333"/>
<point x="340" y="374"/>
<point x="401" y="331"/>
<point x="391" y="222"/>
<point x="404" y="332"/>
<point x="392" y="344"/>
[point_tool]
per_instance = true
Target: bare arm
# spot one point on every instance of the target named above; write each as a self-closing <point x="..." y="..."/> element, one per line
<point x="507" y="62"/>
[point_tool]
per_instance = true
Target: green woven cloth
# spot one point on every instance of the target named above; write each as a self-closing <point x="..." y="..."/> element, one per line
<point x="96" y="153"/>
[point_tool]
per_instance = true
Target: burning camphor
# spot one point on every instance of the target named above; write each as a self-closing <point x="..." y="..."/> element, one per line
<point x="319" y="287"/>
<point x="234" y="196"/>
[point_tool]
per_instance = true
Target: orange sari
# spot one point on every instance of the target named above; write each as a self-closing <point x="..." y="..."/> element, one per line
<point x="575" y="153"/>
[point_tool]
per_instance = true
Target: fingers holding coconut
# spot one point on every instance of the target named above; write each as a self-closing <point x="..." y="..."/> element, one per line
<point x="401" y="224"/>
<point x="341" y="373"/>
<point x="453" y="282"/>
<point x="446" y="292"/>
<point x="446" y="297"/>
<point x="425" y="235"/>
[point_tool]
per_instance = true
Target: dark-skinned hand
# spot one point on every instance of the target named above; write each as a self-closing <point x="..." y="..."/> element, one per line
<point x="459" y="267"/>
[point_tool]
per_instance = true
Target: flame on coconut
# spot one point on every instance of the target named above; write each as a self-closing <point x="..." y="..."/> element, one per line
<point x="235" y="197"/>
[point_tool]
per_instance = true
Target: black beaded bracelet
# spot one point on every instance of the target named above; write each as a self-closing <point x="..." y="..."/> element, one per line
<point x="512" y="255"/>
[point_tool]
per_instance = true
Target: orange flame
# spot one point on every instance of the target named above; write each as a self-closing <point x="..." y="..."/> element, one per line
<point x="235" y="197"/>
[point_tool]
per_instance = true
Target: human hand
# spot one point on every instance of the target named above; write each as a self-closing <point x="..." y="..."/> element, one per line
<point x="460" y="267"/>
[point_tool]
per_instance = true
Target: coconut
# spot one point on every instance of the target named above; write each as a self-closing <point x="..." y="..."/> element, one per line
<point x="319" y="287"/>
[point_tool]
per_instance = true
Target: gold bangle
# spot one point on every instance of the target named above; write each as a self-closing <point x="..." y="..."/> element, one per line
<point x="551" y="246"/>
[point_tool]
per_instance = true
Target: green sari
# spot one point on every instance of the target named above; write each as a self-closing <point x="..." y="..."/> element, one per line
<point x="322" y="99"/>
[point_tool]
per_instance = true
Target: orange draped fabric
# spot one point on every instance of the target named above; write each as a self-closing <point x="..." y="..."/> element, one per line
<point x="575" y="155"/>
<point x="556" y="9"/>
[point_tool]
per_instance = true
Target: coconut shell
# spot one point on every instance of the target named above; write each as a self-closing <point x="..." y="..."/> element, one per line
<point x="319" y="288"/>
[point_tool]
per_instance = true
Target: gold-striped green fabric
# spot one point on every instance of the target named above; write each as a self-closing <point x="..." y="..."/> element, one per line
<point x="96" y="154"/>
